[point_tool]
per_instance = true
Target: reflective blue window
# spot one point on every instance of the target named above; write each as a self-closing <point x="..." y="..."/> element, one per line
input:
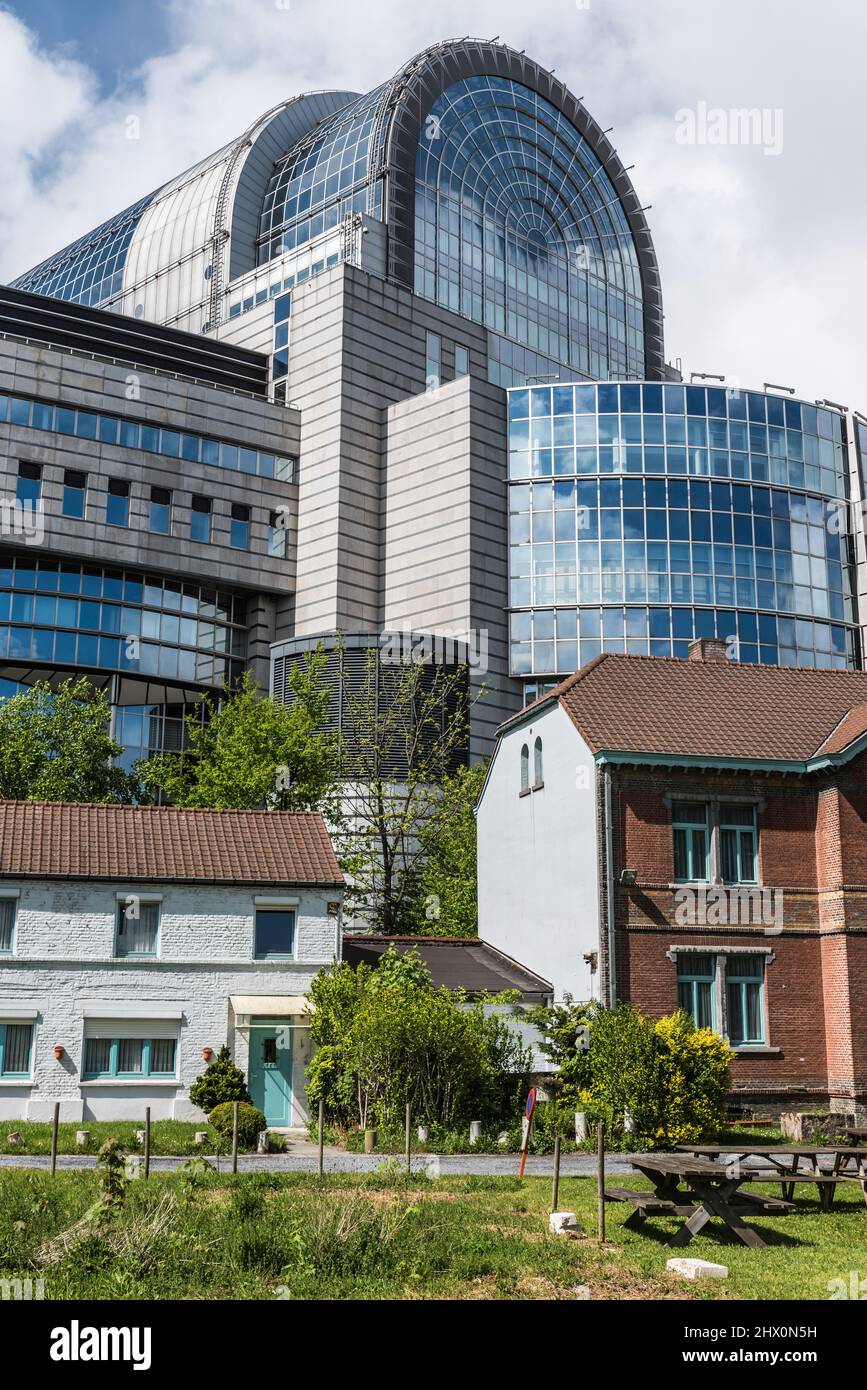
<point x="90" y="270"/>
<point x="320" y="180"/>
<point x="681" y="557"/>
<point x="519" y="228"/>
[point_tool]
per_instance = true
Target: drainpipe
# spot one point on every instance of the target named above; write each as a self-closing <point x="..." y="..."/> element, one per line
<point x="609" y="887"/>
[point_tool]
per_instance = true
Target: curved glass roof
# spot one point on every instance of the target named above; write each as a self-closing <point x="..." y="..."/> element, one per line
<point x="90" y="270"/>
<point x="518" y="226"/>
<point x="325" y="176"/>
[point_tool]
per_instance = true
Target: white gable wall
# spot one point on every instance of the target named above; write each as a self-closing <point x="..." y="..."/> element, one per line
<point x="538" y="861"/>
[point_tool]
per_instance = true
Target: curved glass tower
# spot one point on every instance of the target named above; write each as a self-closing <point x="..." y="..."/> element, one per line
<point x="645" y="515"/>
<point x="519" y="227"/>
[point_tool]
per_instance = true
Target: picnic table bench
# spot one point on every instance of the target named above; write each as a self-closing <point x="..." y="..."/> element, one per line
<point x="697" y="1189"/>
<point x="778" y="1163"/>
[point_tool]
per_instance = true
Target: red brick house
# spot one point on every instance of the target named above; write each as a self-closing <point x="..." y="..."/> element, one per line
<point x="721" y="809"/>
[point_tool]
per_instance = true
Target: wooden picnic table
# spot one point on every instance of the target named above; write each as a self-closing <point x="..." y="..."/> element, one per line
<point x="782" y="1163"/>
<point x="855" y="1134"/>
<point x="698" y="1189"/>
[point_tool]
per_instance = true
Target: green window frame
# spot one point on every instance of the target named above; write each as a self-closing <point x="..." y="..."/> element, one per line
<point x="691" y="842"/>
<point x="696" y="987"/>
<point x="137" y="937"/>
<point x="745" y="1000"/>
<point x="7" y="925"/>
<point x="130" y="1059"/>
<point x="16" y="1051"/>
<point x="738" y="843"/>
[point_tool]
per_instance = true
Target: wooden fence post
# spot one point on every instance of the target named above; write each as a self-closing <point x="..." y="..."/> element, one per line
<point x="321" y="1138"/>
<point x="147" y="1142"/>
<point x="54" y="1132"/>
<point x="555" y="1185"/>
<point x="600" y="1179"/>
<point x="408" y="1138"/>
<point x="234" y="1136"/>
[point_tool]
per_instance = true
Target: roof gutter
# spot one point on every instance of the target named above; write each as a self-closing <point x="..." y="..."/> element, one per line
<point x="610" y="757"/>
<point x="609" y="887"/>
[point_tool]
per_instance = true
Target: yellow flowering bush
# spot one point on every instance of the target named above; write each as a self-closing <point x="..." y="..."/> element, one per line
<point x="671" y="1077"/>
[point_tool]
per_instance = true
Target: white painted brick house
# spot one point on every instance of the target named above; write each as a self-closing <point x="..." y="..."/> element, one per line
<point x="133" y="939"/>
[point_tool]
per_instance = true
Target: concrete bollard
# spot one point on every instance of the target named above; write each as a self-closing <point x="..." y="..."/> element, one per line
<point x="475" y="1131"/>
<point x="565" y="1223"/>
<point x="580" y="1126"/>
<point x="369" y="1140"/>
<point x="200" y="1136"/>
<point x="82" y="1138"/>
<point x="262" y="1141"/>
<point x="422" y="1134"/>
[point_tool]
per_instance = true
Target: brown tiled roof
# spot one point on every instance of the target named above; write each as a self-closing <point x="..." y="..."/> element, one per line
<point x="456" y="962"/>
<point x="159" y="843"/>
<point x="713" y="709"/>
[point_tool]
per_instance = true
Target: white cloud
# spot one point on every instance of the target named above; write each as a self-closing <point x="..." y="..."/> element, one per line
<point x="760" y="257"/>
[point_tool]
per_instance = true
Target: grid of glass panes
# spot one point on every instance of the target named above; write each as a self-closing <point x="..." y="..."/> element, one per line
<point x="143" y="730"/>
<point x="745" y="987"/>
<point x="696" y="974"/>
<point x="134" y="434"/>
<point x="90" y="270"/>
<point x="720" y="543"/>
<point x="284" y="274"/>
<point x="63" y="614"/>
<point x="320" y="180"/>
<point x="518" y="226"/>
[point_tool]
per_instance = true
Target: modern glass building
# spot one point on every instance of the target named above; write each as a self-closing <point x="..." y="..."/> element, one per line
<point x="645" y="515"/>
<point x="403" y="371"/>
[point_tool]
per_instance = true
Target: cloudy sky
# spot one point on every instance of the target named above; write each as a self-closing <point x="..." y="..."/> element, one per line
<point x="760" y="240"/>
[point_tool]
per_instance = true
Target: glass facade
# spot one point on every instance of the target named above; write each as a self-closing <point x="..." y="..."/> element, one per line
<point x="136" y="434"/>
<point x="519" y="227"/>
<point x="643" y="516"/>
<point x="322" y="179"/>
<point x="90" y="271"/>
<point x="62" y="614"/>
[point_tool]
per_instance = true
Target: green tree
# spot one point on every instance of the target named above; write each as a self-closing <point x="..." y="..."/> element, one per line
<point x="449" y="880"/>
<point x="407" y="727"/>
<point x="564" y="1031"/>
<point x="386" y="1037"/>
<point x="252" y="751"/>
<point x="55" y="745"/>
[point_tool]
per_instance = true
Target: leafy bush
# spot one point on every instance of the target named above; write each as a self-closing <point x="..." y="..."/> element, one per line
<point x="251" y="1122"/>
<point x="671" y="1077"/>
<point x="387" y="1037"/>
<point x="222" y="1081"/>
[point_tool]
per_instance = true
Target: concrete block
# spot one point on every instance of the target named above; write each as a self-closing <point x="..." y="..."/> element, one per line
<point x="565" y="1223"/>
<point x="696" y="1269"/>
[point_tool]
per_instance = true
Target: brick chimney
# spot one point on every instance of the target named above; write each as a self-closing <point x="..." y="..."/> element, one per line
<point x="708" y="649"/>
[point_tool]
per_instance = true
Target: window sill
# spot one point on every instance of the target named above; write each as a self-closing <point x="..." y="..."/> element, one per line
<point x="525" y="791"/>
<point x="749" y="1049"/>
<point x="130" y="1081"/>
<point x="539" y="787"/>
<point x="15" y="1081"/>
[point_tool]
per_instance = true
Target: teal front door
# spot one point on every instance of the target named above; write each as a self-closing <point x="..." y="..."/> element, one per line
<point x="271" y="1071"/>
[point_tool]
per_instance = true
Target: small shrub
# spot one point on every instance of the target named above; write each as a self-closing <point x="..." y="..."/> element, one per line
<point x="222" y="1081"/>
<point x="251" y="1122"/>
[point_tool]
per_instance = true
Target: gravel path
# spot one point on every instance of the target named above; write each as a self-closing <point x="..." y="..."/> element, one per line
<point x="302" y="1159"/>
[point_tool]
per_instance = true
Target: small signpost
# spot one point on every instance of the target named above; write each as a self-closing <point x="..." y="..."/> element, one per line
<point x="529" y="1107"/>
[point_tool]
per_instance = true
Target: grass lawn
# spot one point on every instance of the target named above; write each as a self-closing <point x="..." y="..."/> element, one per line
<point x="293" y="1235"/>
<point x="167" y="1136"/>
